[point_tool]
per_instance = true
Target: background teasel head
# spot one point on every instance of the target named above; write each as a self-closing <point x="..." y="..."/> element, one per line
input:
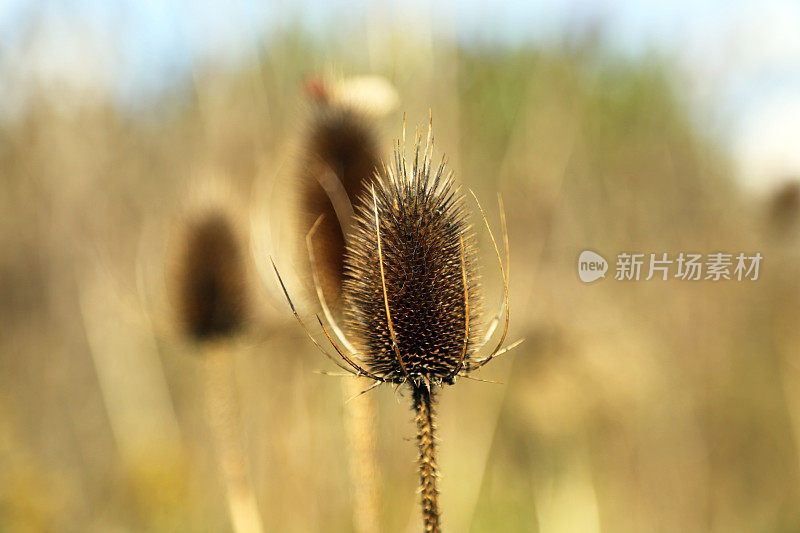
<point x="340" y="153"/>
<point x="211" y="276"/>
<point x="340" y="159"/>
<point x="212" y="293"/>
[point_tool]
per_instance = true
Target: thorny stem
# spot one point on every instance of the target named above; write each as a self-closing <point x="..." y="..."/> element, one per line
<point x="423" y="407"/>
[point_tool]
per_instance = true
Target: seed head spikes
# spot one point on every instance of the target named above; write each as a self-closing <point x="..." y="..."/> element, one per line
<point x="411" y="293"/>
<point x="410" y="276"/>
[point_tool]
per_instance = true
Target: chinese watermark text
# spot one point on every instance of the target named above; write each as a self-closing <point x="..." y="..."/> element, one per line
<point x="630" y="266"/>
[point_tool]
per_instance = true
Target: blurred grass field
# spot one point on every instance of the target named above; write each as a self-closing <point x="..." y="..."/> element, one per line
<point x="649" y="406"/>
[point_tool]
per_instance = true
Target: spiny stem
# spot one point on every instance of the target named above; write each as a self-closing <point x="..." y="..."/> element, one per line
<point x="423" y="407"/>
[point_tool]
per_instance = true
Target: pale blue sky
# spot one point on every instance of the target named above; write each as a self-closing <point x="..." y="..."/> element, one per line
<point x="741" y="59"/>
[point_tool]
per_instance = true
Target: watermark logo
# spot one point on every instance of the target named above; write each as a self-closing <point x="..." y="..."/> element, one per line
<point x="591" y="266"/>
<point x="630" y="266"/>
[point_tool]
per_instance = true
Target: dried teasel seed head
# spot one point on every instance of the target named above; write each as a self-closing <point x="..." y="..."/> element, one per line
<point x="340" y="157"/>
<point x="411" y="291"/>
<point x="211" y="278"/>
<point x="784" y="207"/>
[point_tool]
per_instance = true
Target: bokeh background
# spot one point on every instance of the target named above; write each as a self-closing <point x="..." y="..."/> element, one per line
<point x="612" y="126"/>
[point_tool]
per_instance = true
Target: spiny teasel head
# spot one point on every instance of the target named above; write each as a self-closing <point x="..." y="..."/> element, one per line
<point x="411" y="290"/>
<point x="211" y="278"/>
<point x="340" y="155"/>
<point x="411" y="295"/>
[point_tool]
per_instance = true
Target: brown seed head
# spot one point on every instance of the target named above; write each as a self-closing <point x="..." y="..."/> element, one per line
<point x="411" y="277"/>
<point x="341" y="156"/>
<point x="211" y="280"/>
<point x="784" y="208"/>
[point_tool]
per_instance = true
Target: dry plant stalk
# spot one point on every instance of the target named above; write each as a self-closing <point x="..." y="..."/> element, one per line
<point x="222" y="409"/>
<point x="363" y="463"/>
<point x="212" y="303"/>
<point x="340" y="158"/>
<point x="412" y="297"/>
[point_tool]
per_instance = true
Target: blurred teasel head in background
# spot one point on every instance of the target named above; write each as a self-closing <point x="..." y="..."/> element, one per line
<point x="784" y="208"/>
<point x="340" y="154"/>
<point x="211" y="277"/>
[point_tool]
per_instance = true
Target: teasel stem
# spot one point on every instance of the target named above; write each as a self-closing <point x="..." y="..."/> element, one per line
<point x="428" y="472"/>
<point x="222" y="409"/>
<point x="359" y="414"/>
